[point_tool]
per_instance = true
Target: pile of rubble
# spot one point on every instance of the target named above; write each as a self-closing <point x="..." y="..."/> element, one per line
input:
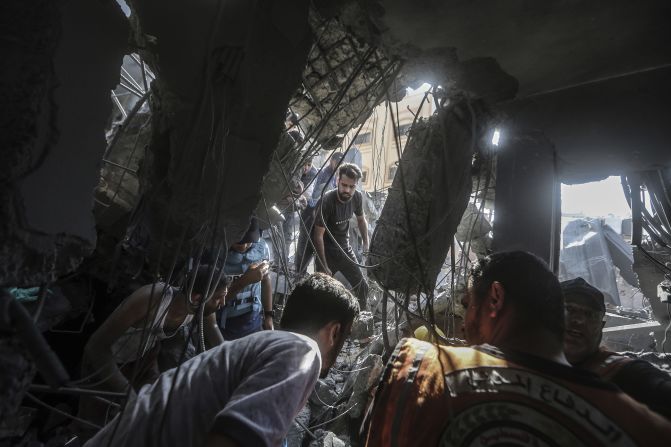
<point x="334" y="412"/>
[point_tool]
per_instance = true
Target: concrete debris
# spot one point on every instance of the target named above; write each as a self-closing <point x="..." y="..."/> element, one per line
<point x="589" y="249"/>
<point x="363" y="327"/>
<point x="218" y="104"/>
<point x="475" y="229"/>
<point x="119" y="188"/>
<point x="328" y="439"/>
<point x="364" y="377"/>
<point x="344" y="79"/>
<point x="297" y="432"/>
<point x="426" y="201"/>
<point x="325" y="394"/>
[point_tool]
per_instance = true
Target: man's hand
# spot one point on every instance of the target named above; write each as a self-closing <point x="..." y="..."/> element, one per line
<point x="256" y="272"/>
<point x="268" y="323"/>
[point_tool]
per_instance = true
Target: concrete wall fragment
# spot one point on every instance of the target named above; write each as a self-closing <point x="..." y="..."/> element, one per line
<point x="64" y="59"/>
<point x="426" y="201"/>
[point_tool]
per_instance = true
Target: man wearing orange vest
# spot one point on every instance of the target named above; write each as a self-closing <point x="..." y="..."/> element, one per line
<point x="585" y="311"/>
<point x="514" y="386"/>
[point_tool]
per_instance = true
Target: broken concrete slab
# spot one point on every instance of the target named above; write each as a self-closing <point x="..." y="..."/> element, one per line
<point x="328" y="439"/>
<point x="65" y="59"/>
<point x="364" y="377"/>
<point x="297" y="433"/>
<point x="426" y="201"/>
<point x="363" y="327"/>
<point x="219" y="101"/>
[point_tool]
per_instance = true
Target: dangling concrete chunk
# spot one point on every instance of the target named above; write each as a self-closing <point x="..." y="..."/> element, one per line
<point x="426" y="201"/>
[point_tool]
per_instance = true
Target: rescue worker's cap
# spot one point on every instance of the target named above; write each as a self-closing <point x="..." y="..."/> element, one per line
<point x="580" y="291"/>
<point x="253" y="233"/>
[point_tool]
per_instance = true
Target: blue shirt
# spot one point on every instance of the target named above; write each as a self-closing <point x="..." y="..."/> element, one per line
<point x="321" y="184"/>
<point x="249" y="298"/>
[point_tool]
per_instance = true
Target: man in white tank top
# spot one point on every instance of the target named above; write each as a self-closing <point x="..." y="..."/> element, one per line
<point x="245" y="392"/>
<point x="123" y="350"/>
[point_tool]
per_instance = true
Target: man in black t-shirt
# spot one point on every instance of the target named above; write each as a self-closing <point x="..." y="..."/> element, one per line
<point x="331" y="231"/>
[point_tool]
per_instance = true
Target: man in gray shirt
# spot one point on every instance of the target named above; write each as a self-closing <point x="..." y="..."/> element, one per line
<point x="245" y="392"/>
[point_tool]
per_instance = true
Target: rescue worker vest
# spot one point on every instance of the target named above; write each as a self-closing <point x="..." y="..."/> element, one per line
<point x="433" y="395"/>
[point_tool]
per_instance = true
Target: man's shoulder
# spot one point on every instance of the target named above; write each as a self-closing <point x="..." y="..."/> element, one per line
<point x="286" y="347"/>
<point x="282" y="339"/>
<point x="358" y="196"/>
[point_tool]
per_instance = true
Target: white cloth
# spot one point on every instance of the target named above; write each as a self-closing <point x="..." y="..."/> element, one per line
<point x="127" y="347"/>
<point x="248" y="389"/>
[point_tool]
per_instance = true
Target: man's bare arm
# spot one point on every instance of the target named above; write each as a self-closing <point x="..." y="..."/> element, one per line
<point x="213" y="335"/>
<point x="363" y="230"/>
<point x="318" y="239"/>
<point x="98" y="355"/>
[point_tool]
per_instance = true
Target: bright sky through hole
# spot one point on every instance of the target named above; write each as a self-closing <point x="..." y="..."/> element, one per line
<point x="596" y="199"/>
<point x="495" y="137"/>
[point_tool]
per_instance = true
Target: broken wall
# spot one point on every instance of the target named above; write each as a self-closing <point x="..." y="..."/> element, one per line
<point x="60" y="61"/>
<point x="225" y="73"/>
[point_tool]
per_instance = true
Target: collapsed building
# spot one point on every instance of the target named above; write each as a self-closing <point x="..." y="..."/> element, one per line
<point x="103" y="192"/>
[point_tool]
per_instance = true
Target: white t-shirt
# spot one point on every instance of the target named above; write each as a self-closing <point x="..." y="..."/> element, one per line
<point x="248" y="389"/>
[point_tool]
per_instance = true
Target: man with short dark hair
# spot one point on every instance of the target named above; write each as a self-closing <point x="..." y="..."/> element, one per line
<point x="585" y="312"/>
<point x="304" y="249"/>
<point x="514" y="387"/>
<point x="331" y="231"/>
<point x="245" y="392"/>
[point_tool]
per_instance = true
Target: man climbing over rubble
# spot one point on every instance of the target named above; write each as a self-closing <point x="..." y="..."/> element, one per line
<point x="304" y="249"/>
<point x="123" y="351"/>
<point x="585" y="313"/>
<point x="245" y="392"/>
<point x="249" y="304"/>
<point x="331" y="231"/>
<point x="515" y="386"/>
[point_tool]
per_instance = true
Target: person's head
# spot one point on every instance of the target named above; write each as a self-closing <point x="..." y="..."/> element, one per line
<point x="307" y="165"/>
<point x="585" y="312"/>
<point x="348" y="178"/>
<point x="335" y="159"/>
<point x="204" y="280"/>
<point x="512" y="295"/>
<point x="252" y="236"/>
<point x="323" y="309"/>
<point x="291" y="120"/>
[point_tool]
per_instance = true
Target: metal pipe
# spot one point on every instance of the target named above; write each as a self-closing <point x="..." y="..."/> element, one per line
<point x="74" y="391"/>
<point x="125" y="168"/>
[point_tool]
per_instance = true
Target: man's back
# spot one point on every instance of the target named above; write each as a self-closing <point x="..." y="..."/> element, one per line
<point x="248" y="390"/>
<point x="478" y="396"/>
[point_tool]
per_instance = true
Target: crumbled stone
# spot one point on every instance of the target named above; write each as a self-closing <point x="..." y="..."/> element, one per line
<point x="328" y="439"/>
<point x="364" y="327"/>
<point x="296" y="432"/>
